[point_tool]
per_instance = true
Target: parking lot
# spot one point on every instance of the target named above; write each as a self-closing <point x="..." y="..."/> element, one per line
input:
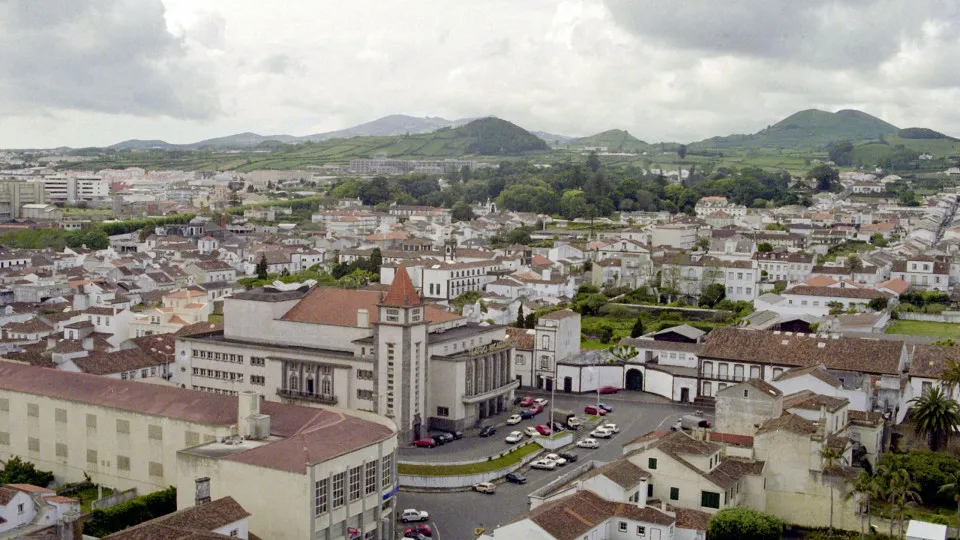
<point x="456" y="515"/>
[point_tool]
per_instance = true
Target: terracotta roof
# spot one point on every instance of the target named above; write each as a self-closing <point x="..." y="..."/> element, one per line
<point x="31" y="326"/>
<point x="677" y="442"/>
<point x="622" y="472"/>
<point x="865" y="418"/>
<point x="732" y="469"/>
<point x="522" y="340"/>
<point x="761" y="385"/>
<point x="821" y="281"/>
<point x="570" y="518"/>
<point x="817" y="371"/>
<point x="184" y="524"/>
<point x="898" y="286"/>
<point x="690" y="519"/>
<point x="99" y="311"/>
<point x="199" y="328"/>
<point x="939" y="267"/>
<point x="810" y="401"/>
<point x="30" y="488"/>
<point x="6" y="495"/>
<point x="930" y="360"/>
<point x="836" y="353"/>
<point x="401" y="293"/>
<point x="730" y="438"/>
<point x="558" y="315"/>
<point x="61" y="499"/>
<point x="788" y="422"/>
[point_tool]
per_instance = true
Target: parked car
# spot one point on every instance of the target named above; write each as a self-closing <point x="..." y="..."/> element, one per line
<point x="556" y="459"/>
<point x="487" y="431"/>
<point x="516" y="478"/>
<point x="411" y="514"/>
<point x="558" y="427"/>
<point x="569" y="456"/>
<point x="536" y="409"/>
<point x="514" y="419"/>
<point x="605" y="407"/>
<point x="485" y="487"/>
<point x="591" y="409"/>
<point x="608" y="390"/>
<point x="526" y="402"/>
<point x="442" y="437"/>
<point x="420" y="528"/>
<point x="601" y="433"/>
<point x="541" y="402"/>
<point x="543" y="429"/>
<point x="517" y="400"/>
<point x="457" y="435"/>
<point x="425" y="443"/>
<point x="611" y="428"/>
<point x="514" y="437"/>
<point x="531" y="431"/>
<point x="588" y="443"/>
<point x="527" y="414"/>
<point x="414" y="535"/>
<point x="544" y="464"/>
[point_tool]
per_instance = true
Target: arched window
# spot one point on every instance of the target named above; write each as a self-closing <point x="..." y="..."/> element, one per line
<point x="294" y="382"/>
<point x="326" y="386"/>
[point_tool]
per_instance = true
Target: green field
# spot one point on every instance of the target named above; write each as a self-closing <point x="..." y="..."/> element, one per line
<point x="470" y="468"/>
<point x="923" y="328"/>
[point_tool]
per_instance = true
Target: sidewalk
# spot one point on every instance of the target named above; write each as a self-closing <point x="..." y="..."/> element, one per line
<point x="623" y="396"/>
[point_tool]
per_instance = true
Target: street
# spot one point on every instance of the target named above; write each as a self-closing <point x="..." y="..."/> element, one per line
<point x="455" y="515"/>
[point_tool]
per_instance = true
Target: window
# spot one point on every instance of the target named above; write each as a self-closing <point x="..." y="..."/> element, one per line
<point x="623" y="526"/>
<point x="257" y="361"/>
<point x="338" y="490"/>
<point x="754" y="372"/>
<point x="33" y="410"/>
<point x="652" y="463"/>
<point x="925" y="387"/>
<point x="649" y="491"/>
<point x="4" y="405"/>
<point x="20" y="508"/>
<point x="521" y="360"/>
<point x="370" y="478"/>
<point x="709" y="499"/>
<point x="61" y="450"/>
<point x="641" y="530"/>
<point x="191" y="438"/>
<point x="155" y="432"/>
<point x="393" y="315"/>
<point x="708" y="369"/>
<point x="387" y="470"/>
<point x="92" y="456"/>
<point x="259" y="380"/>
<point x="235" y="533"/>
<point x="5" y="438"/>
<point x="545" y="343"/>
<point x="355" y="474"/>
<point x="123" y="426"/>
<point x="320" y="496"/>
<point x="544" y="362"/>
<point x="123" y="463"/>
<point x="674" y="494"/>
<point x="777" y="372"/>
<point x="33" y="444"/>
<point x="365" y="374"/>
<point x="156" y="469"/>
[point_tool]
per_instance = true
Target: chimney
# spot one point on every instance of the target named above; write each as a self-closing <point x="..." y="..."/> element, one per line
<point x="248" y="407"/>
<point x="202" y="490"/>
<point x="363" y="318"/>
<point x="642" y="495"/>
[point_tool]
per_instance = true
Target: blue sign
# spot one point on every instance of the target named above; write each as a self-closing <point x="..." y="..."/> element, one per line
<point x="391" y="493"/>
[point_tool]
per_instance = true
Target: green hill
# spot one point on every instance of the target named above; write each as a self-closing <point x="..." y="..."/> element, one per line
<point x="496" y="137"/>
<point x="615" y="140"/>
<point x="808" y="129"/>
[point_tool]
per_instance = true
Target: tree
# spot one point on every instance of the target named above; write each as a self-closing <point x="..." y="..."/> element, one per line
<point x="531" y="320"/>
<point x="18" y="471"/>
<point x="854" y="263"/>
<point x="908" y="198"/>
<point x="376" y="261"/>
<point x="829" y="457"/>
<point x="950" y="376"/>
<point x="712" y="294"/>
<point x="593" y="162"/>
<point x="285" y="272"/>
<point x="865" y="487"/>
<point x="764" y="247"/>
<point x="521" y="320"/>
<point x="953" y="489"/>
<point x="703" y="244"/>
<point x="878" y="304"/>
<point x="606" y="333"/>
<point x="623" y="353"/>
<point x="682" y="151"/>
<point x="902" y="493"/>
<point x="573" y="204"/>
<point x="262" y="268"/>
<point x="741" y="522"/>
<point x="461" y="212"/>
<point x="935" y="416"/>
<point x="637" y="329"/>
<point x="836" y="308"/>
<point x="878" y="240"/>
<point x="825" y="176"/>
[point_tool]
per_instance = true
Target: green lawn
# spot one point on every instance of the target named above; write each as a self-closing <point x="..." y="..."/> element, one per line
<point x="924" y="328"/>
<point x="88" y="495"/>
<point x="471" y="468"/>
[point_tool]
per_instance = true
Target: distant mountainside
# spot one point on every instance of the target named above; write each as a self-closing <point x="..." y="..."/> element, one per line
<point x="924" y="133"/>
<point x="808" y="129"/>
<point x="553" y="138"/>
<point x="496" y="137"/>
<point x="394" y="124"/>
<point x="615" y="140"/>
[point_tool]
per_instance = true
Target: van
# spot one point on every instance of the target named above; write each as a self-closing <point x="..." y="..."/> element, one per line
<point x="691" y="421"/>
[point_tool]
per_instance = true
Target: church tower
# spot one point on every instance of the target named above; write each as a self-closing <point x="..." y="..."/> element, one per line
<point x="450" y="249"/>
<point x="400" y="365"/>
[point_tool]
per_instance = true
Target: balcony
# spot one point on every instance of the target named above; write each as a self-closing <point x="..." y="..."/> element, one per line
<point x="726" y="377"/>
<point x="489" y="394"/>
<point x="297" y="394"/>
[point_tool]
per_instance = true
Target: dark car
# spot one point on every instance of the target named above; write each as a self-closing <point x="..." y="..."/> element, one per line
<point x="526" y="414"/>
<point x="516" y="478"/>
<point x="605" y="407"/>
<point x="425" y="443"/>
<point x="415" y="535"/>
<point x="457" y="435"/>
<point x="420" y="528"/>
<point x="442" y="437"/>
<point x="517" y="400"/>
<point x="557" y="427"/>
<point x="487" y="431"/>
<point x="569" y="456"/>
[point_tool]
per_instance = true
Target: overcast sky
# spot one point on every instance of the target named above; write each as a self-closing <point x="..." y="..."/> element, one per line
<point x="95" y="72"/>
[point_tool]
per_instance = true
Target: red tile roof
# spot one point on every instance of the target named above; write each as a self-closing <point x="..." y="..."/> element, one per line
<point x="402" y="293"/>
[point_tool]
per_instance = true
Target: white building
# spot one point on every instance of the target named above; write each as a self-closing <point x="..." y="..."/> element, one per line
<point x="74" y="189"/>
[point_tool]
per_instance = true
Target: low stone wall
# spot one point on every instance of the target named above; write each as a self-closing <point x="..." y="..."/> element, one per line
<point x="118" y="497"/>
<point x="465" y="480"/>
<point x="946" y="316"/>
<point x="554" y="443"/>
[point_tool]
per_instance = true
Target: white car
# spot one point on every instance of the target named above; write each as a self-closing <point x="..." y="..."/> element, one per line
<point x="601" y="433"/>
<point x="411" y="514"/>
<point x="513" y="420"/>
<point x="514" y="437"/>
<point x="612" y="428"/>
<point x="556" y="459"/>
<point x="545" y="464"/>
<point x="588" y="443"/>
<point x="531" y="431"/>
<point x="485" y="487"/>
<point x="541" y="402"/>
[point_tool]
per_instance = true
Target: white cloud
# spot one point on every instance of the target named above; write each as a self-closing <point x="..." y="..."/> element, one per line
<point x="680" y="71"/>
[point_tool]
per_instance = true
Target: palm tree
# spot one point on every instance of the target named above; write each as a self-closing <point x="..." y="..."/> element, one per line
<point x="950" y="376"/>
<point x="866" y="488"/>
<point x="623" y="353"/>
<point x="935" y="416"/>
<point x="829" y="457"/>
<point x="954" y="489"/>
<point x="904" y="491"/>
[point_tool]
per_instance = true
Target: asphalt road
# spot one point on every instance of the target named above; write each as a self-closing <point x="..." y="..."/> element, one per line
<point x="454" y="516"/>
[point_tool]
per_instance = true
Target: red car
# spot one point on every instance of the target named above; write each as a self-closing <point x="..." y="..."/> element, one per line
<point x="420" y="528"/>
<point x="526" y="402"/>
<point x="427" y="442"/>
<point x="592" y="409"/>
<point x="608" y="390"/>
<point x="536" y="409"/>
<point x="543" y="429"/>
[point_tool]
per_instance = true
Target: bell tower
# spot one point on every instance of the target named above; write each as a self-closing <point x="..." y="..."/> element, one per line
<point x="400" y="368"/>
<point x="450" y="249"/>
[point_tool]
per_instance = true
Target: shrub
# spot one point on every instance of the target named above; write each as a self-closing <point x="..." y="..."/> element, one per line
<point x="741" y="522"/>
<point x="132" y="512"/>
